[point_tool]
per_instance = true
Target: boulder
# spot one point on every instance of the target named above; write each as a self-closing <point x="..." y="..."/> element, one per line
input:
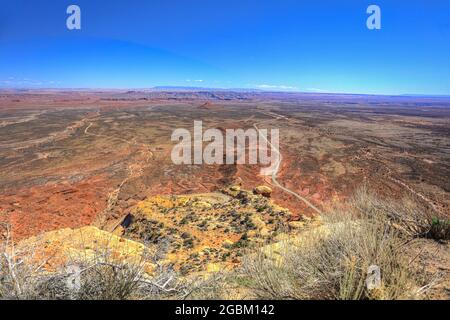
<point x="263" y="190"/>
<point x="235" y="188"/>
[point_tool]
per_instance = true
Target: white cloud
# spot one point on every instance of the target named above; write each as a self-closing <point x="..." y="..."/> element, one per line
<point x="276" y="87"/>
<point x="199" y="80"/>
<point x="316" y="90"/>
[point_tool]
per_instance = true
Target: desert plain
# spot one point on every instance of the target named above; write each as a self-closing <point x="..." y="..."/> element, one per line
<point x="71" y="159"/>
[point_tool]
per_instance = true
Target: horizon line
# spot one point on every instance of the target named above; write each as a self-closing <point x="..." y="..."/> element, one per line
<point x="237" y="89"/>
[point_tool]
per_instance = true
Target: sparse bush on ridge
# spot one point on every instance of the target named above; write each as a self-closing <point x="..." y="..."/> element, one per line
<point x="439" y="228"/>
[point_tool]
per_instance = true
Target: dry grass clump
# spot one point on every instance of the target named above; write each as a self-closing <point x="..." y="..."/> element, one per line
<point x="408" y="216"/>
<point x="19" y="271"/>
<point x="337" y="260"/>
<point x="98" y="276"/>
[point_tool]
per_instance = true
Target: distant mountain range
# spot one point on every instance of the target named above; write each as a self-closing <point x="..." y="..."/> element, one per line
<point x="426" y="95"/>
<point x="209" y="90"/>
<point x="182" y="88"/>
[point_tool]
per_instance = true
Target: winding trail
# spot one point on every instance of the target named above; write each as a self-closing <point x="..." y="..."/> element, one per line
<point x="134" y="170"/>
<point x="307" y="202"/>
<point x="278" y="164"/>
<point x="419" y="195"/>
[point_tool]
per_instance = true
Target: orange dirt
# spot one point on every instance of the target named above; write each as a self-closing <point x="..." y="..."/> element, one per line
<point x="31" y="211"/>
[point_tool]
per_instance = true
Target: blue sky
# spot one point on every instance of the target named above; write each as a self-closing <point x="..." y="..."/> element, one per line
<point x="317" y="46"/>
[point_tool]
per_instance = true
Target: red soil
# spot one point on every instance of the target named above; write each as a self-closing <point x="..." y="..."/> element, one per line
<point x="31" y="211"/>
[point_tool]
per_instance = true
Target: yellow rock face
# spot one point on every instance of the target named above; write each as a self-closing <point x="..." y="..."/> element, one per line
<point x="67" y="246"/>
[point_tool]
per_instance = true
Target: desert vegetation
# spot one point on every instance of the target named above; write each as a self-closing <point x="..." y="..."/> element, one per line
<point x="333" y="260"/>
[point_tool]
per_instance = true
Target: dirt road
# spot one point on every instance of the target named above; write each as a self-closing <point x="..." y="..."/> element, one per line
<point x="277" y="165"/>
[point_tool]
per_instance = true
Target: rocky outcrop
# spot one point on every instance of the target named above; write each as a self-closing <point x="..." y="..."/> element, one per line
<point x="207" y="231"/>
<point x="196" y="233"/>
<point x="263" y="190"/>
